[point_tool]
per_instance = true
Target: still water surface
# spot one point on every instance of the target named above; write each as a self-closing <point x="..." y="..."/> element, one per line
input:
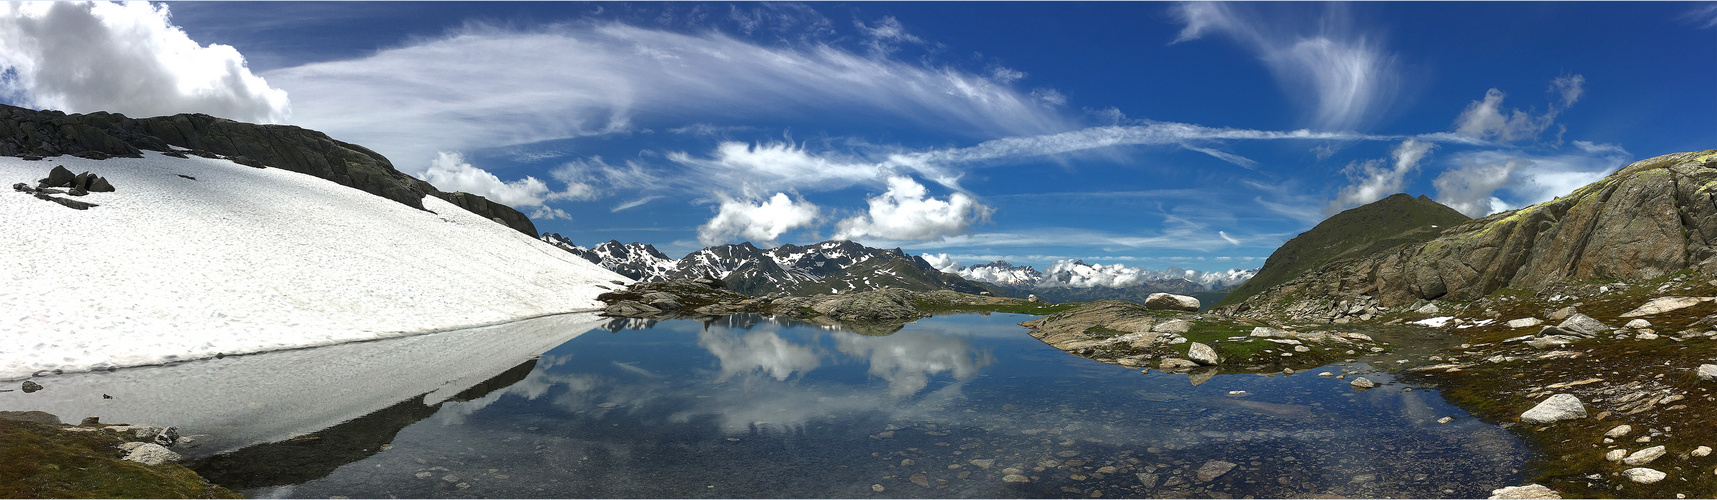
<point x="947" y="407"/>
<point x="953" y="406"/>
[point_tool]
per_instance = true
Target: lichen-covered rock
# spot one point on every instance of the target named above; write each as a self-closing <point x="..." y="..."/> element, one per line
<point x="1362" y="383"/>
<point x="1707" y="373"/>
<point x="1171" y="302"/>
<point x="1582" y="325"/>
<point x="1558" y="407"/>
<point x="1644" y="456"/>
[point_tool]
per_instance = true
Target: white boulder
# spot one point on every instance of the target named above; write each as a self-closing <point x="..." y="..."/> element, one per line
<point x="1558" y="407"/>
<point x="1527" y="491"/>
<point x="152" y="454"/>
<point x="1203" y="354"/>
<point x="1644" y="475"/>
<point x="1171" y="302"/>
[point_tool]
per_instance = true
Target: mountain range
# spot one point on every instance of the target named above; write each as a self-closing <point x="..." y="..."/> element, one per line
<point x="823" y="268"/>
<point x="845" y="266"/>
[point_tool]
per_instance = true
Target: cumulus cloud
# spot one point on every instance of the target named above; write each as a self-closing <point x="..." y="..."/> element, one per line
<point x="127" y="58"/>
<point x="942" y="262"/>
<point x="1072" y="273"/>
<point x="1348" y="77"/>
<point x="1374" y="179"/>
<point x="907" y="212"/>
<point x="1487" y="120"/>
<point x="1469" y="189"/>
<point x="450" y="172"/>
<point x="1486" y="182"/>
<point x="486" y="87"/>
<point x="760" y="222"/>
<point x="762" y="352"/>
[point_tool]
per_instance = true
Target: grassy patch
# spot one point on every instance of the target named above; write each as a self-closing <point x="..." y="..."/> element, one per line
<point x="41" y="461"/>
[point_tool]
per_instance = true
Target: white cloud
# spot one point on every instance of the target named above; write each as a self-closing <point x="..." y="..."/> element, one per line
<point x="126" y="58"/>
<point x="634" y="203"/>
<point x="1469" y="190"/>
<point x="887" y="35"/>
<point x="942" y="262"/>
<point x="1348" y="77"/>
<point x="1373" y="180"/>
<point x="1705" y="16"/>
<point x="487" y="87"/>
<point x="1486" y="120"/>
<point x="450" y="172"/>
<point x="759" y="222"/>
<point x="907" y="212"/>
<point x="762" y="352"/>
<point x="1077" y="274"/>
<point x="1487" y="182"/>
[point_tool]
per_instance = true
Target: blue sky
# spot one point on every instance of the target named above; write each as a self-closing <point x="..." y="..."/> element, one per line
<point x="1196" y="135"/>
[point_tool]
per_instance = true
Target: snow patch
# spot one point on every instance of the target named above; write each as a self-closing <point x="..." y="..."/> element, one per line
<point x="245" y="260"/>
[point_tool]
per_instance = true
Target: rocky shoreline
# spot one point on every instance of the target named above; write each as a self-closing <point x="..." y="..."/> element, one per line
<point x="40" y="457"/>
<point x="877" y="312"/>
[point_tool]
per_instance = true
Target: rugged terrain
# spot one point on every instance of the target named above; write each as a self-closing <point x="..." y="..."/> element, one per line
<point x="880" y="311"/>
<point x="1356" y="232"/>
<point x="1588" y="322"/>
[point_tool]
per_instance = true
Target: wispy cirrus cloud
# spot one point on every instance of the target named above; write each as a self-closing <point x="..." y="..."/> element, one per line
<point x="1350" y="77"/>
<point x="486" y="87"/>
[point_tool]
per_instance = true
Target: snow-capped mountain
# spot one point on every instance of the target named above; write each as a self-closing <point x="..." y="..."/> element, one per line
<point x="827" y="267"/>
<point x="1002" y="273"/>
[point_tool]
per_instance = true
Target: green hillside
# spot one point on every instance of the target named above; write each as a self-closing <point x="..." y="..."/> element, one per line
<point x="1356" y="232"/>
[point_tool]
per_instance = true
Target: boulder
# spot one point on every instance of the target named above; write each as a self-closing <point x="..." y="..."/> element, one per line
<point x="1619" y="431"/>
<point x="1582" y="325"/>
<point x="1644" y="456"/>
<point x="152" y="454"/>
<point x="1203" y="355"/>
<point x="1527" y="491"/>
<point x="58" y="177"/>
<point x="1213" y="469"/>
<point x="1662" y="305"/>
<point x="1644" y="475"/>
<point x="167" y="437"/>
<point x="1527" y="322"/>
<point x="1563" y="313"/>
<point x="100" y="185"/>
<point x="31" y="386"/>
<point x="1170" y="302"/>
<point x="1430" y="309"/>
<point x="1173" y="326"/>
<point x="1638" y="323"/>
<point x="1708" y="373"/>
<point x="1362" y="383"/>
<point x="1556" y="408"/>
<point x="1176" y="364"/>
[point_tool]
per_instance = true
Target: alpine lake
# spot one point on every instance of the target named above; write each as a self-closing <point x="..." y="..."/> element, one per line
<point x="970" y="405"/>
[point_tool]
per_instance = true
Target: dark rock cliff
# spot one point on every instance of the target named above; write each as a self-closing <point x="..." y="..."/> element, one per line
<point x="1651" y="218"/>
<point x="28" y="132"/>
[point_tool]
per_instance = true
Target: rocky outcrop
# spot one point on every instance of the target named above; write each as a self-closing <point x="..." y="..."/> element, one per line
<point x="1558" y="407"/>
<point x="1649" y="219"/>
<point x="1171" y="302"/>
<point x="34" y="134"/>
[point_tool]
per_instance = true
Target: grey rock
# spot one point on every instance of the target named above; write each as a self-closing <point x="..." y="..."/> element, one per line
<point x="152" y="454"/>
<point x="1522" y="492"/>
<point x="1619" y="431"/>
<point x="1176" y="364"/>
<point x="1431" y="309"/>
<point x="128" y="446"/>
<point x="1644" y="475"/>
<point x="1527" y="322"/>
<point x="1170" y="302"/>
<point x="1173" y="326"/>
<point x="1583" y="325"/>
<point x="1203" y="354"/>
<point x="1556" y="408"/>
<point x="1213" y="469"/>
<point x="1662" y="305"/>
<point x="1644" y="456"/>
<point x="1707" y="373"/>
<point x="1616" y="455"/>
<point x="1362" y="383"/>
<point x="1563" y="313"/>
<point x="1700" y="451"/>
<point x="58" y="177"/>
<point x="167" y="437"/>
<point x="31" y="386"/>
<point x="1638" y="323"/>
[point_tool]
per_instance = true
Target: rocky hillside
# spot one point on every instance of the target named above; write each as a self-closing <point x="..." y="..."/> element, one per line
<point x="1649" y="219"/>
<point x="824" y="268"/>
<point x="30" y="133"/>
<point x="1356" y="232"/>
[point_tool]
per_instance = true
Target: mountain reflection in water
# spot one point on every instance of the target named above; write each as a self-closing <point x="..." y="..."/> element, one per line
<point x="956" y="406"/>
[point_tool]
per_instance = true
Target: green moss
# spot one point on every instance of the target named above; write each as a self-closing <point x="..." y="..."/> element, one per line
<point x="42" y="461"/>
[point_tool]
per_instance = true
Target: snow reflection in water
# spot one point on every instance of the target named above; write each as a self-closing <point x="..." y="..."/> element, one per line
<point x="948" y="407"/>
